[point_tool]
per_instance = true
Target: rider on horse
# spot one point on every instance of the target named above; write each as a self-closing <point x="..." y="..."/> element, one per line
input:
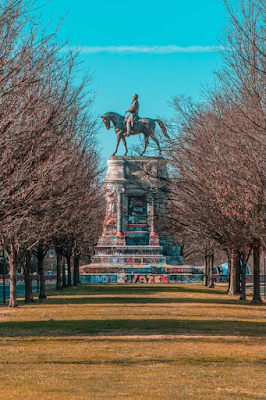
<point x="133" y="116"/>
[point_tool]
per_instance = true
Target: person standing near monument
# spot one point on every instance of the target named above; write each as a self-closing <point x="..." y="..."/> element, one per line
<point x="133" y="114"/>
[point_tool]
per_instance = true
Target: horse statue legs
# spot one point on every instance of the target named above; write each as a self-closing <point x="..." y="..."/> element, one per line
<point x="146" y="143"/>
<point x="125" y="144"/>
<point x="157" y="143"/>
<point x="120" y="136"/>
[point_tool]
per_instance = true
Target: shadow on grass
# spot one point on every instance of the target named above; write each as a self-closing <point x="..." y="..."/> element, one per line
<point x="132" y="327"/>
<point x="139" y="300"/>
<point x="136" y="289"/>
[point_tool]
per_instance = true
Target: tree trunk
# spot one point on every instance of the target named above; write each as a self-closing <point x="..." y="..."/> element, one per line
<point x="211" y="263"/>
<point x="238" y="271"/>
<point x="40" y="258"/>
<point x="243" y="276"/>
<point x="229" y="269"/>
<point x="13" y="301"/>
<point x="232" y="288"/>
<point x="256" y="274"/>
<point x="206" y="270"/>
<point x="64" y="285"/>
<point x="68" y="259"/>
<point x="76" y="269"/>
<point x="28" y="279"/>
<point x="4" y="279"/>
<point x="58" y="269"/>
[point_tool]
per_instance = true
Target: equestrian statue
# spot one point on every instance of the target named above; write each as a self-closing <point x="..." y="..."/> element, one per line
<point x="133" y="125"/>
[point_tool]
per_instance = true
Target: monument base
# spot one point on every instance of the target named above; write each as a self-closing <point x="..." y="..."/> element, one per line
<point x="130" y="248"/>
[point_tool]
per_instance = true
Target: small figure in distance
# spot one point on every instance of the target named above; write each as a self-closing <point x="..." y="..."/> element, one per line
<point x="133" y="114"/>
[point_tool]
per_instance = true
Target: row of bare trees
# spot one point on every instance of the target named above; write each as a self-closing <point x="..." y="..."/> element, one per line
<point x="50" y="193"/>
<point x="217" y="153"/>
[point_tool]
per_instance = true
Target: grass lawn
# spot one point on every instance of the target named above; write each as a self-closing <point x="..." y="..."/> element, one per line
<point x="134" y="342"/>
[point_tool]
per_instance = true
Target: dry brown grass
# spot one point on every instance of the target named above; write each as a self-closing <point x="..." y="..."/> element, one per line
<point x="134" y="342"/>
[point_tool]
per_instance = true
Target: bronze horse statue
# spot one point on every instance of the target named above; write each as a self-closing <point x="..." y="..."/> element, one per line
<point x="146" y="126"/>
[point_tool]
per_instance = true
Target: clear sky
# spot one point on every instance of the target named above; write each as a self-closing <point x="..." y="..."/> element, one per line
<point x="126" y="45"/>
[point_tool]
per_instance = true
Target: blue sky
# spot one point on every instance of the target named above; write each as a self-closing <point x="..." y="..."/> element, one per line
<point x="147" y="66"/>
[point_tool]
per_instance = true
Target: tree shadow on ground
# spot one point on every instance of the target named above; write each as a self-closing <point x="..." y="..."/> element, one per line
<point x="132" y="327"/>
<point x="139" y="300"/>
<point x="137" y="289"/>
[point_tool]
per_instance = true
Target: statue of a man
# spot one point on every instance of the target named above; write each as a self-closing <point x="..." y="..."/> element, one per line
<point x="133" y="114"/>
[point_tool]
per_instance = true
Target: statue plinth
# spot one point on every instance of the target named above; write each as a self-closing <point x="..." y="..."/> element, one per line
<point x="129" y="235"/>
<point x="131" y="242"/>
<point x="134" y="182"/>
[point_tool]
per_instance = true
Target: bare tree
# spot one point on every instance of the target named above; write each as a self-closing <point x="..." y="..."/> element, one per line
<point x="42" y="114"/>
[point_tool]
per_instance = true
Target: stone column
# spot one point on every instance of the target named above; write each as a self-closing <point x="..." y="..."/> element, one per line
<point x="154" y="237"/>
<point x="125" y="212"/>
<point x="119" y="216"/>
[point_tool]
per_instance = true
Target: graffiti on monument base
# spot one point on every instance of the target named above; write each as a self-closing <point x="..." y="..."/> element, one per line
<point x="186" y="278"/>
<point x="150" y="279"/>
<point x="141" y="278"/>
<point x="99" y="271"/>
<point x="147" y="278"/>
<point x="99" y="279"/>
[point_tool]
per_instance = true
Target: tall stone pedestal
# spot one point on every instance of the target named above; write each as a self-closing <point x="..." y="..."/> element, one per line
<point x="130" y="240"/>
